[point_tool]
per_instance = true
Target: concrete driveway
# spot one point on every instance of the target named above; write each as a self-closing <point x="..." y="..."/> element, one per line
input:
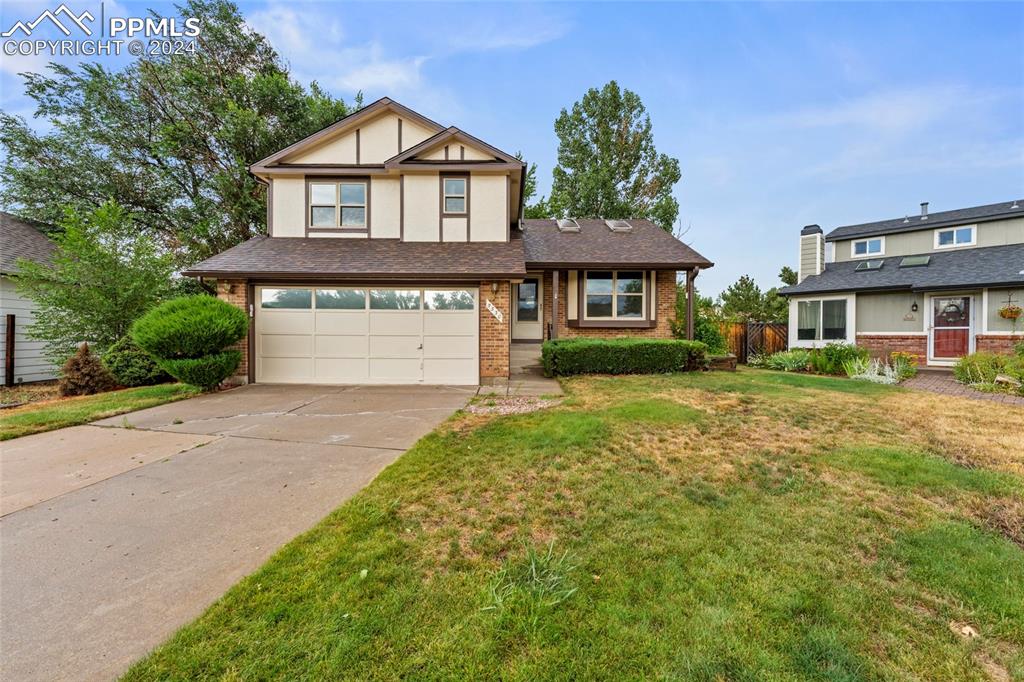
<point x="115" y="534"/>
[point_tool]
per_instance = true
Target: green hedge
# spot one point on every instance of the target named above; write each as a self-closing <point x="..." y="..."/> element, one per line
<point x="132" y="366"/>
<point x="206" y="372"/>
<point x="564" y="357"/>
<point x="189" y="327"/>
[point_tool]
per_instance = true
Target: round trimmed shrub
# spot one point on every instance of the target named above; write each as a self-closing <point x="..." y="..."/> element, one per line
<point x="132" y="366"/>
<point x="188" y="337"/>
<point x="206" y="372"/>
<point x="189" y="327"/>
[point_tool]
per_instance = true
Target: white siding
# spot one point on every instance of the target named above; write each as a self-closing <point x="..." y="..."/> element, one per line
<point x="29" y="363"/>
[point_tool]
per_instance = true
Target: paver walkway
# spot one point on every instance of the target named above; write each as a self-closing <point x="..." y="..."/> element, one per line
<point x="937" y="381"/>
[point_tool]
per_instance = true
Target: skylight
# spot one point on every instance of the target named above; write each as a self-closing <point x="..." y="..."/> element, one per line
<point x="915" y="261"/>
<point x="568" y="225"/>
<point x="619" y="225"/>
<point x="870" y="265"/>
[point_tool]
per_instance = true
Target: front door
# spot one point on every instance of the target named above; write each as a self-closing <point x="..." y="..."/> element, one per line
<point x="950" y="330"/>
<point x="527" y="311"/>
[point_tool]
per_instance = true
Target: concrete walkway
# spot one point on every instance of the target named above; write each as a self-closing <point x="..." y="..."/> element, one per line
<point x="115" y="534"/>
<point x="526" y="377"/>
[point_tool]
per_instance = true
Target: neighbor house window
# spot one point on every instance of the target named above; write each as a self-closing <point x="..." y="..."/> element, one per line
<point x="862" y="248"/>
<point x="955" y="236"/>
<point x="614" y="295"/>
<point x="337" y="204"/>
<point x="821" y="320"/>
<point x="455" y="195"/>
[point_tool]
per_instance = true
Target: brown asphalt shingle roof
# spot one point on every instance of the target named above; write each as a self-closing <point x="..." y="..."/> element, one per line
<point x="322" y="258"/>
<point x="21" y="239"/>
<point x="595" y="246"/>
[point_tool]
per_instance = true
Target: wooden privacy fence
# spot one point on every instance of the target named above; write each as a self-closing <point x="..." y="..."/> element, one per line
<point x="749" y="338"/>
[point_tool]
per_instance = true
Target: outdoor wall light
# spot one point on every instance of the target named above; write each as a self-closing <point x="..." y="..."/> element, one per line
<point x="913" y="307"/>
<point x="494" y="287"/>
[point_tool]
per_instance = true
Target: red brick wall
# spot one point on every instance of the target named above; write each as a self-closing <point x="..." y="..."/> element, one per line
<point x="234" y="292"/>
<point x="997" y="343"/>
<point x="666" y="310"/>
<point x="495" y="335"/>
<point x="882" y="346"/>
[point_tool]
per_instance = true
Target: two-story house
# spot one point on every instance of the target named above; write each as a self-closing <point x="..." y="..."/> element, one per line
<point x="396" y="253"/>
<point x="931" y="284"/>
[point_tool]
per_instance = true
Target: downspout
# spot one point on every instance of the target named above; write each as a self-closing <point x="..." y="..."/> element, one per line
<point x="691" y="275"/>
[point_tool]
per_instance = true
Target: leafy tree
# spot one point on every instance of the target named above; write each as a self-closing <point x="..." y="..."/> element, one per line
<point x="608" y="166"/>
<point x="169" y="138"/>
<point x="104" y="274"/>
<point x="788" y="275"/>
<point x="705" y="321"/>
<point x="744" y="300"/>
<point x="540" y="208"/>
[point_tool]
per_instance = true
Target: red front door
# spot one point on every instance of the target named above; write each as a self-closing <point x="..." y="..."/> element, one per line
<point x="951" y="327"/>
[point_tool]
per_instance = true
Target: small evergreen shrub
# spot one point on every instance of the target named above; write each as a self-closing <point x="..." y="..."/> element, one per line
<point x="190" y="327"/>
<point x="84" y="374"/>
<point x="206" y="372"/>
<point x="188" y="337"/>
<point x="564" y="357"/>
<point x="132" y="366"/>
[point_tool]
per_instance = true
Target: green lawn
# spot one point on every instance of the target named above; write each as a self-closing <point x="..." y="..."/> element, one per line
<point x="718" y="526"/>
<point x="56" y="414"/>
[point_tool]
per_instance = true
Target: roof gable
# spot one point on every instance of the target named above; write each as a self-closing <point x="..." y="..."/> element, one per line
<point x="453" y="146"/>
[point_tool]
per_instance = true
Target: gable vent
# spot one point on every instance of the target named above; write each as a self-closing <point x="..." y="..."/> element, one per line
<point x="619" y="225"/>
<point x="568" y="225"/>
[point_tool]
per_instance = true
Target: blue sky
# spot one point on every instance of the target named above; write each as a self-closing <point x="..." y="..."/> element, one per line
<point x="780" y="114"/>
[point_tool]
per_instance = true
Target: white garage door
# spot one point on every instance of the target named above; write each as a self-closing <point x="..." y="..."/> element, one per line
<point x="347" y="335"/>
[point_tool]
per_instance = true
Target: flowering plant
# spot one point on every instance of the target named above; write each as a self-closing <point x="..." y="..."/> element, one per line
<point x="1010" y="311"/>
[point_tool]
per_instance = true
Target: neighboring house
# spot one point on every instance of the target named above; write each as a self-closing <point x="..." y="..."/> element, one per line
<point x="20" y="239"/>
<point x="928" y="284"/>
<point x="396" y="254"/>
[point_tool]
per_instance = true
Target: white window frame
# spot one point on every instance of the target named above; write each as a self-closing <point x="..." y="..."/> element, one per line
<point x="867" y="240"/>
<point x="851" y="320"/>
<point x="615" y="295"/>
<point x="445" y="195"/>
<point x="338" y="205"/>
<point x="955" y="244"/>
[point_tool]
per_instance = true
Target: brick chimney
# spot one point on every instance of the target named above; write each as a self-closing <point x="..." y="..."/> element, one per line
<point x="812" y="252"/>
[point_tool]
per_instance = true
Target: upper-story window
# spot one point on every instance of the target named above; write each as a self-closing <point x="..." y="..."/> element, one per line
<point x="455" y="195"/>
<point x="863" y="248"/>
<point x="340" y="204"/>
<point x="956" y="236"/>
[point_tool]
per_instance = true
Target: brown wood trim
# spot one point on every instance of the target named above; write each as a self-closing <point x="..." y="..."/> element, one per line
<point x="441" y="214"/>
<point x="508" y="208"/>
<point x="270" y="207"/>
<point x="446" y="152"/>
<point x="462" y="152"/>
<point x="401" y="208"/>
<point x="562" y="265"/>
<point x="377" y="284"/>
<point x="455" y="166"/>
<point x="399" y="136"/>
<point x="612" y="324"/>
<point x="10" y="347"/>
<point x="364" y="179"/>
<point x="250" y="310"/>
<point x="357" y="145"/>
<point x="628" y="323"/>
<point x="378" y="277"/>
<point x="324" y="170"/>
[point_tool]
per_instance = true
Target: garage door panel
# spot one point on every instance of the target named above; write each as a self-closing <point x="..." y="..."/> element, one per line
<point x="286" y="345"/>
<point x="395" y="369"/>
<point x="286" y="322"/>
<point x="396" y="322"/>
<point x="342" y="322"/>
<point x="342" y="370"/>
<point x="449" y="371"/>
<point x="285" y="369"/>
<point x="395" y="347"/>
<point x="337" y="346"/>
<point x="448" y="323"/>
<point x="449" y="346"/>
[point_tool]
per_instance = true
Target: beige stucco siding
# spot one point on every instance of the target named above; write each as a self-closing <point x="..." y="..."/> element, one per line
<point x="378" y="139"/>
<point x="995" y="233"/>
<point x="456" y="151"/>
<point x="474" y="154"/>
<point x="890" y="312"/>
<point x="421" y="208"/>
<point x="384" y="208"/>
<point x="996" y="300"/>
<point x="289" y="207"/>
<point x="340" y="149"/>
<point x="454" y="229"/>
<point x="488" y="208"/>
<point x="413" y="133"/>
